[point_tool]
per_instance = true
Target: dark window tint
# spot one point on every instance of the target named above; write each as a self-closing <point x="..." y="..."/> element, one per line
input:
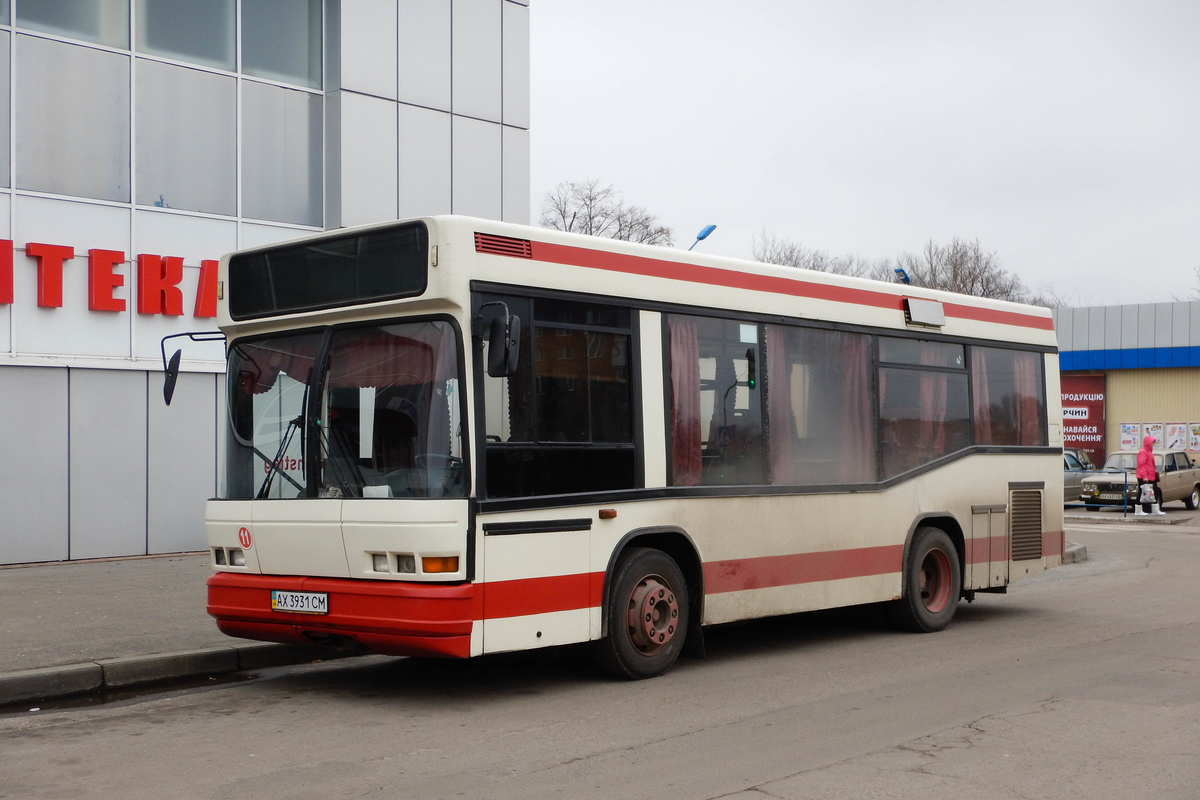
<point x="564" y="422"/>
<point x="339" y="271"/>
<point x="923" y="415"/>
<point x="918" y="351"/>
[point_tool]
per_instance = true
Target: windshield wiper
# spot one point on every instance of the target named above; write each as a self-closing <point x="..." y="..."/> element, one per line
<point x="273" y="465"/>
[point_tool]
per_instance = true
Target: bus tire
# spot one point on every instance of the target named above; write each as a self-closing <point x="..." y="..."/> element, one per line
<point x="932" y="583"/>
<point x="646" y="615"/>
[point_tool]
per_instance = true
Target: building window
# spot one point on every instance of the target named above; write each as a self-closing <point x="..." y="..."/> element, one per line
<point x="281" y="154"/>
<point x="281" y="40"/>
<point x="57" y="153"/>
<point x="104" y="22"/>
<point x="185" y="138"/>
<point x="198" y="31"/>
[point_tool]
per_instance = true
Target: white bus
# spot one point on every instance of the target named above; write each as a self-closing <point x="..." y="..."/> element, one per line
<point x="449" y="437"/>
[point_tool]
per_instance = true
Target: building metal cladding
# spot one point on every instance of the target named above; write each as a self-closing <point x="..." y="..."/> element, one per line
<point x="1129" y="371"/>
<point x="140" y="142"/>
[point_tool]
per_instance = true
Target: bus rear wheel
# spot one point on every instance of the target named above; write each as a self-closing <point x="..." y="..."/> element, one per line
<point x="646" y="616"/>
<point x="932" y="583"/>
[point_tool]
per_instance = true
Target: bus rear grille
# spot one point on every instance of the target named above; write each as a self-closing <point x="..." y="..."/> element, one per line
<point x="503" y="246"/>
<point x="1025" y="523"/>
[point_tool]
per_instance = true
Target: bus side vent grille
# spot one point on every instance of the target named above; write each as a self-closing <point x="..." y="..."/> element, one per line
<point x="503" y="246"/>
<point x="1026" y="524"/>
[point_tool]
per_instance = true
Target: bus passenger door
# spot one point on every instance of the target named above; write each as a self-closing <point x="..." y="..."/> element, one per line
<point x="987" y="556"/>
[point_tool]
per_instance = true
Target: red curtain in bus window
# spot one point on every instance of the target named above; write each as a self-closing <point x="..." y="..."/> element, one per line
<point x="1029" y="416"/>
<point x="1006" y="387"/>
<point x="381" y="358"/>
<point x="685" y="402"/>
<point x="262" y="364"/>
<point x="858" y="445"/>
<point x="981" y="394"/>
<point x="781" y="445"/>
<point x="932" y="389"/>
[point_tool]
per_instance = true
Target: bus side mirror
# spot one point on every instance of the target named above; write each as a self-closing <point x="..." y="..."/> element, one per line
<point x="504" y="346"/>
<point x="170" y="376"/>
<point x="171" y="368"/>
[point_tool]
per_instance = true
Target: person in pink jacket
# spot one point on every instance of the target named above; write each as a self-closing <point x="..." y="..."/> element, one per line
<point x="1148" y="474"/>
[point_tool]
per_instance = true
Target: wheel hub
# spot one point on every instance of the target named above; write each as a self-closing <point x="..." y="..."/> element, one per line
<point x="933" y="582"/>
<point x="653" y="615"/>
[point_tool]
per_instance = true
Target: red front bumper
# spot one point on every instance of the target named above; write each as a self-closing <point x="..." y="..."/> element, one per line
<point x="403" y="619"/>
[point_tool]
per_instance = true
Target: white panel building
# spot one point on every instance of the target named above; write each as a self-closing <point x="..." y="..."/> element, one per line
<point x="142" y="139"/>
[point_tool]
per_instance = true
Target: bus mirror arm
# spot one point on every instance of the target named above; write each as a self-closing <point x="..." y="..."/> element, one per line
<point x="171" y="367"/>
<point x="504" y="341"/>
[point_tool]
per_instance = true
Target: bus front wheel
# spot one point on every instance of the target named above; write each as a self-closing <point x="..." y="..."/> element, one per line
<point x="932" y="583"/>
<point x="647" y="616"/>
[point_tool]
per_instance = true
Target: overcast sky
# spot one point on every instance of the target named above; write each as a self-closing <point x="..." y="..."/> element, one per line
<point x="1064" y="136"/>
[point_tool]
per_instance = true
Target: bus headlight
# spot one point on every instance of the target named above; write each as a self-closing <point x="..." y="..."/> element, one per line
<point x="237" y="558"/>
<point x="379" y="562"/>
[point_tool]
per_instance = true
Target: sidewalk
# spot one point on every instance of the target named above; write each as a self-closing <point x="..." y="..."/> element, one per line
<point x="76" y="627"/>
<point x="1175" y="514"/>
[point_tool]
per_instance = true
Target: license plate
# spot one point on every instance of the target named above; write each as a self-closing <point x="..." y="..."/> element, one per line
<point x="1112" y="497"/>
<point x="300" y="602"/>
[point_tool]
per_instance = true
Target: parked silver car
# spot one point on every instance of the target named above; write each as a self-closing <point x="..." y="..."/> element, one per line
<point x="1178" y="478"/>
<point x="1074" y="471"/>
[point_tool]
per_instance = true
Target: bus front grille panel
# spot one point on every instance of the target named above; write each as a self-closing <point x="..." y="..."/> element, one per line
<point x="1025" y="521"/>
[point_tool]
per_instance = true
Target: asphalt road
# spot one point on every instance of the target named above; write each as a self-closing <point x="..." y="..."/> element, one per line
<point x="1084" y="682"/>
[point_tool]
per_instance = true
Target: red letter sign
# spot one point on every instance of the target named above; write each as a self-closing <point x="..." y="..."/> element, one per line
<point x="102" y="280"/>
<point x="158" y="285"/>
<point x="6" y="280"/>
<point x="206" y="292"/>
<point x="50" y="258"/>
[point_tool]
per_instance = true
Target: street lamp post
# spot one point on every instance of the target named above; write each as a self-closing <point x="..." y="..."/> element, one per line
<point x="703" y="234"/>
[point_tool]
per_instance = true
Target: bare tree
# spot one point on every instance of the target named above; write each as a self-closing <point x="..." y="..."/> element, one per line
<point x="587" y="207"/>
<point x="960" y="266"/>
<point x="1194" y="294"/>
<point x="772" y="250"/>
<point x="965" y="267"/>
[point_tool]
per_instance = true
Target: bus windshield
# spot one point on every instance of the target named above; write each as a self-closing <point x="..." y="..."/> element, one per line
<point x="371" y="411"/>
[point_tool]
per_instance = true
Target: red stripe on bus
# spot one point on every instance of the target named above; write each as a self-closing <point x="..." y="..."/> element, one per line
<point x="985" y="549"/>
<point x="714" y="276"/>
<point x="1054" y="543"/>
<point x="518" y="598"/>
<point x="740" y="574"/>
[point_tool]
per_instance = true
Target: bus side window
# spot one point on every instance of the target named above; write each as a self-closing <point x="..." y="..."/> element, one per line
<point x="563" y="423"/>
<point x="717" y="420"/>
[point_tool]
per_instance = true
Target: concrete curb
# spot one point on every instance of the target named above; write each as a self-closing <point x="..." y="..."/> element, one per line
<point x="49" y="683"/>
<point x="1074" y="553"/>
<point x="1100" y="518"/>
